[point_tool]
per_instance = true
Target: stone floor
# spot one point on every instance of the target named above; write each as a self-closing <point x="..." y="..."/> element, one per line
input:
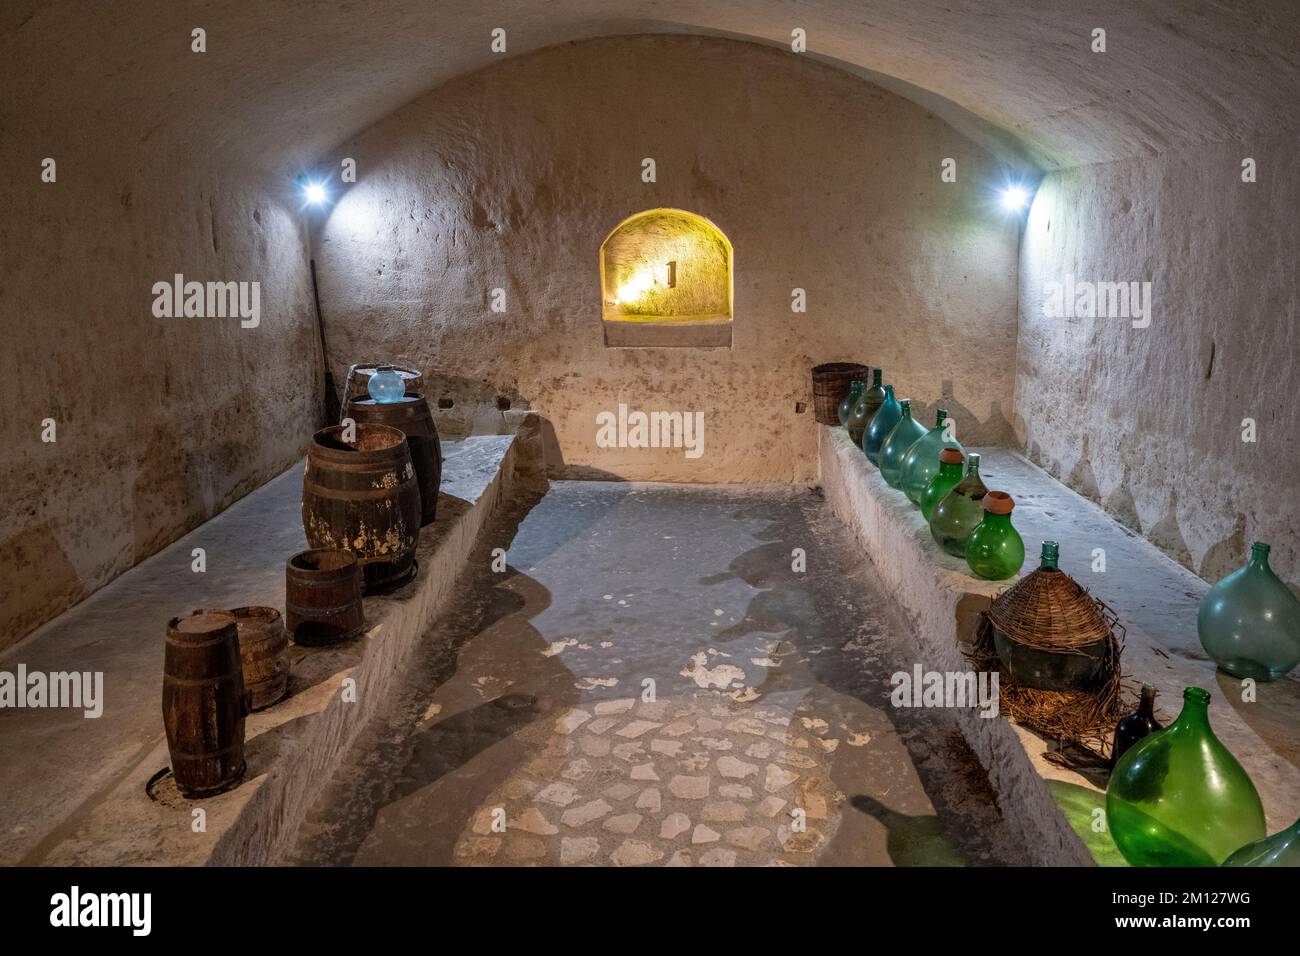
<point x="650" y="681"/>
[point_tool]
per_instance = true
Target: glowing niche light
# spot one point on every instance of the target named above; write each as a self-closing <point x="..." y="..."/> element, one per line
<point x="666" y="266"/>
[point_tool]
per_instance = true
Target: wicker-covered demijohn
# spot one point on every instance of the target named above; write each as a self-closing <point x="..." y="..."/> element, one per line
<point x="1058" y="649"/>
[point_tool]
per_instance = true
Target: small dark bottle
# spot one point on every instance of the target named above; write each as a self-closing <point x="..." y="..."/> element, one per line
<point x="1136" y="725"/>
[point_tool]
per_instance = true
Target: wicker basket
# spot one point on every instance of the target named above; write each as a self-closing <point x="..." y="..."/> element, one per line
<point x="830" y="382"/>
<point x="1050" y="633"/>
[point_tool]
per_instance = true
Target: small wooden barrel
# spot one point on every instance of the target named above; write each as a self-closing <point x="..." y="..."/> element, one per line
<point x="410" y="416"/>
<point x="360" y="379"/>
<point x="322" y="597"/>
<point x="362" y="496"/>
<point x="264" y="651"/>
<point x="830" y="382"/>
<point x="204" y="702"/>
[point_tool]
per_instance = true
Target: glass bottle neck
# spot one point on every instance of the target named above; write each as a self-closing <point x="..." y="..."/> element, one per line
<point x="1195" y="714"/>
<point x="1147" y="702"/>
<point x="951" y="470"/>
<point x="940" y="417"/>
<point x="997" y="521"/>
<point x="875" y="377"/>
<point x="1259" y="556"/>
<point x="1048" y="561"/>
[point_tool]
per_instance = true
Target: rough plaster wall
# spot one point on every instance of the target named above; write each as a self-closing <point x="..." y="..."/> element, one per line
<point x="512" y="178"/>
<point x="1149" y="421"/>
<point x="161" y="423"/>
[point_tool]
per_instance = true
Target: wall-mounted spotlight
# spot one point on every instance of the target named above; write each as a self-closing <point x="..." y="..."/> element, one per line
<point x="314" y="193"/>
<point x="1014" y="198"/>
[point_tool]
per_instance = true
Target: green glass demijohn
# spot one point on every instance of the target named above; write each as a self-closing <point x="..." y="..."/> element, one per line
<point x="897" y="443"/>
<point x="1179" y="798"/>
<point x="945" y="479"/>
<point x="1250" y="621"/>
<point x="856" y="388"/>
<point x="960" y="511"/>
<point x="995" y="550"/>
<point x="921" y="463"/>
<point x="865" y="410"/>
<point x="881" y="424"/>
<point x="1281" y="849"/>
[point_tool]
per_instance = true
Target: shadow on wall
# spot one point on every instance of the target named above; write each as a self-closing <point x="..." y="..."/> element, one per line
<point x="995" y="430"/>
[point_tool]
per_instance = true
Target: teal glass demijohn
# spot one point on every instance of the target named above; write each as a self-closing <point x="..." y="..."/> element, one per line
<point x="861" y="414"/>
<point x="921" y="463"/>
<point x="897" y="443"/>
<point x="1249" y="622"/>
<point x="856" y="388"/>
<point x="995" y="551"/>
<point x="1280" y="849"/>
<point x="385" y="385"/>
<point x="880" y="425"/>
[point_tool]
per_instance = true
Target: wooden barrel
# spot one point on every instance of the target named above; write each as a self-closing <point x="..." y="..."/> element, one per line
<point x="360" y="378"/>
<point x="410" y="416"/>
<point x="362" y="496"/>
<point x="322" y="597"/>
<point x="204" y="702"/>
<point x="830" y="381"/>
<point x="264" y="651"/>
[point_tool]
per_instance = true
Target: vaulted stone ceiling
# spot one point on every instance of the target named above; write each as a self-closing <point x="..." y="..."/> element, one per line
<point x="284" y="81"/>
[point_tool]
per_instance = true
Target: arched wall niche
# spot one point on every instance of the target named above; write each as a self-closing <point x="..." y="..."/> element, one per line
<point x="666" y="280"/>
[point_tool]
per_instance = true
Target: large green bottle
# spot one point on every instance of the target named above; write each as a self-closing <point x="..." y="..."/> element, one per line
<point x="1250" y="621"/>
<point x="1179" y="798"/>
<point x="921" y="463"/>
<point x="856" y="388"/>
<point x="880" y="425"/>
<point x="897" y="443"/>
<point x="866" y="408"/>
<point x="960" y="511"/>
<point x="995" y="550"/>
<point x="1281" y="849"/>
<point x="945" y="480"/>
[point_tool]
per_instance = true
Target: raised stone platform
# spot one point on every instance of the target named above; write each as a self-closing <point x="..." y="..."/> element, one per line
<point x="74" y="788"/>
<point x="1155" y="597"/>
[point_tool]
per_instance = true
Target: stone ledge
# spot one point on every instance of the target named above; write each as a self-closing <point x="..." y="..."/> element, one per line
<point x="1155" y="598"/>
<point x="79" y="798"/>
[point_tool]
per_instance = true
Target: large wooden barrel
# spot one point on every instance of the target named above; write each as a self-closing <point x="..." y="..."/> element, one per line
<point x="264" y="651"/>
<point x="322" y="597"/>
<point x="362" y="496"/>
<point x="360" y="379"/>
<point x="204" y="703"/>
<point x="410" y="416"/>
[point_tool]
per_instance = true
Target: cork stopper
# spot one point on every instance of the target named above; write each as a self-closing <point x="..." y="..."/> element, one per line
<point x="998" y="503"/>
<point x="951" y="456"/>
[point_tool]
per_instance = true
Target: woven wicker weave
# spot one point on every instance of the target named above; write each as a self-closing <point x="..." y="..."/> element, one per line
<point x="830" y="382"/>
<point x="1049" y="611"/>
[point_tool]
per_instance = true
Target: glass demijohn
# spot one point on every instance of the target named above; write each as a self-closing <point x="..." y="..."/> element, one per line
<point x="994" y="550"/>
<point x="386" y="385"/>
<point x="1281" y="849"/>
<point x="856" y="388"/>
<point x="945" y="480"/>
<point x="868" y="404"/>
<point x="960" y="511"/>
<point x="921" y="463"/>
<point x="897" y="443"/>
<point x="1179" y="798"/>
<point x="1250" y="621"/>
